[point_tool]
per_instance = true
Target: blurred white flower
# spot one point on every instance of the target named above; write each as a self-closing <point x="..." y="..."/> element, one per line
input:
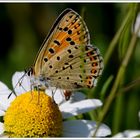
<point x="127" y="134"/>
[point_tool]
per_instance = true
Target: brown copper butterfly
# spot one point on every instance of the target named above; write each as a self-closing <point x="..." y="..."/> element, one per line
<point x="66" y="59"/>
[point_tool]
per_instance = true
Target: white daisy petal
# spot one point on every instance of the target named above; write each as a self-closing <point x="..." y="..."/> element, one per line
<point x="4" y="94"/>
<point x="1" y="128"/>
<point x="77" y="96"/>
<point x="58" y="96"/>
<point x="71" y="109"/>
<point x="21" y="83"/>
<point x="2" y="113"/>
<point x="128" y="134"/>
<point x="2" y="107"/>
<point x="84" y="128"/>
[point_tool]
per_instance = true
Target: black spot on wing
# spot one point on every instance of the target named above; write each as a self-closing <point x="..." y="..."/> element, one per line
<point x="45" y="59"/>
<point x="51" y="50"/>
<point x="70" y="66"/>
<point x="57" y="42"/>
<point x="72" y="43"/>
<point x="71" y="56"/>
<point x="69" y="32"/>
<point x="65" y="29"/>
<point x="77" y="85"/>
<point x="50" y="66"/>
<point x="68" y="39"/>
<point x="69" y="51"/>
<point x="58" y="57"/>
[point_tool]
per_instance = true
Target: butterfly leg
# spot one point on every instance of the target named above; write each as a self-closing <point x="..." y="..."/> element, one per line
<point x="31" y="92"/>
<point x="38" y="99"/>
<point x="53" y="93"/>
<point x="53" y="96"/>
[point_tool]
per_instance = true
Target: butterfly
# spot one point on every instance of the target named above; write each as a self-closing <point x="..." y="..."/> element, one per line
<point x="66" y="59"/>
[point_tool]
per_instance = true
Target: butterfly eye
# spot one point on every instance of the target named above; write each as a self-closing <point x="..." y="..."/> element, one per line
<point x="30" y="72"/>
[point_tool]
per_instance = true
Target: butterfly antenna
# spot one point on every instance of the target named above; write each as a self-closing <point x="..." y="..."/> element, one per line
<point x="19" y="82"/>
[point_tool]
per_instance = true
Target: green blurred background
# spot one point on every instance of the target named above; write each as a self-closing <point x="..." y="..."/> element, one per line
<point x="23" y="28"/>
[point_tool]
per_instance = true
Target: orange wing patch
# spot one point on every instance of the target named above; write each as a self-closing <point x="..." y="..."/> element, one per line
<point x="70" y="31"/>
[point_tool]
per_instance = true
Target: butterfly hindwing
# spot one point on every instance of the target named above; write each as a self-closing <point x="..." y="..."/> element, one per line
<point x="74" y="67"/>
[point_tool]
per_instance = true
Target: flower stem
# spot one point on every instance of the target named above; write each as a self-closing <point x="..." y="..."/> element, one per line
<point x="119" y="77"/>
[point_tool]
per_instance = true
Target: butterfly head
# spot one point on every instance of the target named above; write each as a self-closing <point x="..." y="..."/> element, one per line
<point x="40" y="82"/>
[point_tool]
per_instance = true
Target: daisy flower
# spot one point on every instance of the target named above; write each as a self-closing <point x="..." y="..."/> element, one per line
<point x="35" y="115"/>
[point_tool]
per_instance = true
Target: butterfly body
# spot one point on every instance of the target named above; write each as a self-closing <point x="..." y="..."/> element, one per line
<point x="67" y="60"/>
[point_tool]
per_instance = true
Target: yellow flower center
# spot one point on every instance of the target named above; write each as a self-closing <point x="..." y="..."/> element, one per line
<point x="33" y="116"/>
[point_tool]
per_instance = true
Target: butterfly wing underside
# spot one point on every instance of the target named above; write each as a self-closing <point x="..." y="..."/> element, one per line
<point x="66" y="58"/>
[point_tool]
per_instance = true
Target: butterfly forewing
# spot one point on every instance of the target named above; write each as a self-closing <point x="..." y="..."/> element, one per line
<point x="68" y="30"/>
